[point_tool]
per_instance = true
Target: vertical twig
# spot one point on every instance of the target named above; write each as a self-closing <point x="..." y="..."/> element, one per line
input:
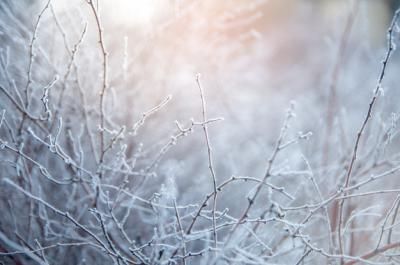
<point x="271" y="160"/>
<point x="390" y="49"/>
<point x="105" y="79"/>
<point x="210" y="158"/>
<point x="32" y="54"/>
<point x="386" y="219"/>
<point x="102" y="94"/>
<point x="180" y="227"/>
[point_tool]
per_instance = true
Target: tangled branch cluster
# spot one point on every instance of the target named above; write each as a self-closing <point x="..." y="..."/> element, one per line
<point x="76" y="187"/>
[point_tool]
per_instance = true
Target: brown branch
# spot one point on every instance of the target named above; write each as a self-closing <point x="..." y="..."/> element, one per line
<point x="390" y="49"/>
<point x="105" y="79"/>
<point x="374" y="253"/>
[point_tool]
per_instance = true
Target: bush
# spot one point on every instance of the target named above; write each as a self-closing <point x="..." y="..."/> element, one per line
<point x="102" y="163"/>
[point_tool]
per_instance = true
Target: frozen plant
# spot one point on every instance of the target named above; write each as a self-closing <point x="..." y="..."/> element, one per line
<point x="97" y="166"/>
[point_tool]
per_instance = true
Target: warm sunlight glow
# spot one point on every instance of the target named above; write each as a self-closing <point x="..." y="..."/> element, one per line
<point x="131" y="11"/>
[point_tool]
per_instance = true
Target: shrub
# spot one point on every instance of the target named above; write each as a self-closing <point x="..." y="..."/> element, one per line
<point x="88" y="175"/>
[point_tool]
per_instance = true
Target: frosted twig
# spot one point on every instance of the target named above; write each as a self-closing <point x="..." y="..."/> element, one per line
<point x="3" y="112"/>
<point x="149" y="113"/>
<point x="43" y="170"/>
<point x="68" y="216"/>
<point x="396" y="211"/>
<point x="31" y="53"/>
<point x="45" y="99"/>
<point x="375" y="96"/>
<point x="107" y="236"/>
<point x="23" y="111"/>
<point x="19" y="248"/>
<point x="271" y="160"/>
<point x="386" y="219"/>
<point x="71" y="63"/>
<point x="182" y="132"/>
<point x="303" y="257"/>
<point x="182" y="234"/>
<point x="105" y="78"/>
<point x="59" y="244"/>
<point x="209" y="153"/>
<point x="321" y="198"/>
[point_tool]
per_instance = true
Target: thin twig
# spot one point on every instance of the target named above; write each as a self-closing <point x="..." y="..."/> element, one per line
<point x="210" y="157"/>
<point x="390" y="49"/>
